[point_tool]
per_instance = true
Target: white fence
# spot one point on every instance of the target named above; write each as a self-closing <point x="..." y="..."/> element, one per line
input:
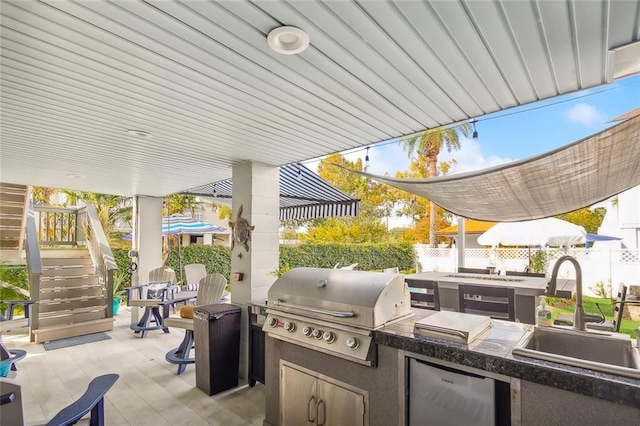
<point x="606" y="268"/>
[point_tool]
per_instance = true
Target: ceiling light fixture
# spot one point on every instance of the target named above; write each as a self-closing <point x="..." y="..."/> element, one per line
<point x="288" y="40"/>
<point x="139" y="133"/>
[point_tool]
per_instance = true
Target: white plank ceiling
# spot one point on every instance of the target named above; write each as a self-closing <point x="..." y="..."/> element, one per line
<point x="200" y="78"/>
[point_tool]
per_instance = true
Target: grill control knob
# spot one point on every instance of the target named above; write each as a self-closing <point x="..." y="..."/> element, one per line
<point x="329" y="336"/>
<point x="273" y="322"/>
<point x="307" y="331"/>
<point x="289" y="326"/>
<point x="317" y="333"/>
<point x="352" y="343"/>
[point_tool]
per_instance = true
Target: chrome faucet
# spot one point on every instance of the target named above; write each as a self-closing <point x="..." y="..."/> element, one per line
<point x="578" y="314"/>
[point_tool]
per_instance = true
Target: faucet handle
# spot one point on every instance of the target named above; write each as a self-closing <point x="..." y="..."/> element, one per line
<point x="551" y="287"/>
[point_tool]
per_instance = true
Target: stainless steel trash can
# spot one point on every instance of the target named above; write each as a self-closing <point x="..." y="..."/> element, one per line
<point x="216" y="331"/>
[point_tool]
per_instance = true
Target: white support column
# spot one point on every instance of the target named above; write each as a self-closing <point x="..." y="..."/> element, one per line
<point x="147" y="235"/>
<point x="256" y="188"/>
<point x="147" y="239"/>
<point x="461" y="241"/>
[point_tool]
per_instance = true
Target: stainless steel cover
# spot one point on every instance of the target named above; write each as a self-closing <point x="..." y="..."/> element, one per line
<point x="356" y="298"/>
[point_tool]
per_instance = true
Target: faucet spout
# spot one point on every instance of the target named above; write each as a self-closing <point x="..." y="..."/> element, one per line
<point x="578" y="315"/>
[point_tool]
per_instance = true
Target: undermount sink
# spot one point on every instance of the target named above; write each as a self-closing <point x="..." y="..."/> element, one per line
<point x="613" y="353"/>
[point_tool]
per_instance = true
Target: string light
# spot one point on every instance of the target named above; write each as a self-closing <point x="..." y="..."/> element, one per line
<point x="475" y="132"/>
<point x="299" y="172"/>
<point x="215" y="193"/>
<point x="366" y="159"/>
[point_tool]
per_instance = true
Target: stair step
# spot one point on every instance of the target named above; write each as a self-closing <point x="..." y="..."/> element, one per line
<point x="67" y="261"/>
<point x="13" y="187"/>
<point x="69" y="305"/>
<point x="8" y="243"/>
<point x="68" y="282"/>
<point x="72" y="293"/>
<point x="12" y="196"/>
<point x="60" y="272"/>
<point x="75" y="317"/>
<point x="66" y="253"/>
<point x="71" y="330"/>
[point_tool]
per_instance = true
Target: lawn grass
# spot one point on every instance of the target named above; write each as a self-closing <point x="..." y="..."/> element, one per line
<point x="567" y="306"/>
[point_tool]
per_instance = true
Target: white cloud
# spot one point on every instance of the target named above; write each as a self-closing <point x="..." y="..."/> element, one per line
<point x="585" y="114"/>
<point x="470" y="158"/>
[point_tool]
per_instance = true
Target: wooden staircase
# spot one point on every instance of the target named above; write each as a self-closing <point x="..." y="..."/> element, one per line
<point x="13" y="202"/>
<point x="72" y="300"/>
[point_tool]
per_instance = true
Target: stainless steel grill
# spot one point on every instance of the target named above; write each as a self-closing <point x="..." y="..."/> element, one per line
<point x="335" y="311"/>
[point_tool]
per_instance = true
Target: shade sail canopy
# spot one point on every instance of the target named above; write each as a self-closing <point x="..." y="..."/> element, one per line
<point x="566" y="179"/>
<point x="180" y="224"/>
<point x="303" y="195"/>
<point x="470" y="227"/>
<point x="541" y="232"/>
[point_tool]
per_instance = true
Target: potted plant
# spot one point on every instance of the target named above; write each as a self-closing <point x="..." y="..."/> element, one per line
<point x="119" y="292"/>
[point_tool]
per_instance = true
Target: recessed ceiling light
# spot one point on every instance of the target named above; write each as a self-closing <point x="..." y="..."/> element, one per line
<point x="139" y="133"/>
<point x="288" y="40"/>
<point x="75" y="176"/>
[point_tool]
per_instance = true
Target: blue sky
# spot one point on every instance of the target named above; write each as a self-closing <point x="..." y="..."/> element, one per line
<point x="524" y="131"/>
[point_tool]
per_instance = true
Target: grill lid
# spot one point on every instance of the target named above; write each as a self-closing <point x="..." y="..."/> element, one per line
<point x="357" y="298"/>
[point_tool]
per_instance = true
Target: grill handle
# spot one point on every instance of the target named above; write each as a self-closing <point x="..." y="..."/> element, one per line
<point x="337" y="314"/>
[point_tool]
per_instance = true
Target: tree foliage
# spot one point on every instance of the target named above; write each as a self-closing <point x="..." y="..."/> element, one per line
<point x="376" y="203"/>
<point x="587" y="218"/>
<point x="427" y="146"/>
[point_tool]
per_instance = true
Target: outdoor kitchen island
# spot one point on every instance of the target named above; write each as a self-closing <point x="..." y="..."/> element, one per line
<point x="341" y="348"/>
<point x="541" y="392"/>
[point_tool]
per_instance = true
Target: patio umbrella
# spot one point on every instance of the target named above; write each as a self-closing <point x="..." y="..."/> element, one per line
<point x="540" y="232"/>
<point x="177" y="224"/>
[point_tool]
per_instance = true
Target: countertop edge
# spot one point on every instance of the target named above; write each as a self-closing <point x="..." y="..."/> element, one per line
<point x="621" y="390"/>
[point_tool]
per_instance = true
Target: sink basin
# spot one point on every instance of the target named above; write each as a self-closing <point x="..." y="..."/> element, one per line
<point x="613" y="353"/>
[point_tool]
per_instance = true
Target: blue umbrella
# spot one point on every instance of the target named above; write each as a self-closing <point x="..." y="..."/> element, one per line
<point x="177" y="224"/>
<point x="598" y="237"/>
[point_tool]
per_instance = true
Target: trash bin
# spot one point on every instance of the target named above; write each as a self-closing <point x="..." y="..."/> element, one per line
<point x="216" y="331"/>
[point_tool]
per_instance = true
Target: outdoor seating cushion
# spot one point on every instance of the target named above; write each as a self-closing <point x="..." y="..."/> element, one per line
<point x="156" y="290"/>
<point x="186" y="311"/>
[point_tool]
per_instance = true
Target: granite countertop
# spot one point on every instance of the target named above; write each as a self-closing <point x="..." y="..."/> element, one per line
<point x="491" y="351"/>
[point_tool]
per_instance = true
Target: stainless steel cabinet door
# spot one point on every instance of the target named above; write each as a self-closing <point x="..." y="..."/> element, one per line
<point x="338" y="406"/>
<point x="298" y="399"/>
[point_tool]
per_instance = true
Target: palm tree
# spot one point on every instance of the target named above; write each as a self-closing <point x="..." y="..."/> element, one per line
<point x="428" y="145"/>
<point x="112" y="210"/>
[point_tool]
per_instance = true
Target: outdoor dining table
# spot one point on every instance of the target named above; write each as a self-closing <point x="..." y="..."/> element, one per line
<point x="528" y="290"/>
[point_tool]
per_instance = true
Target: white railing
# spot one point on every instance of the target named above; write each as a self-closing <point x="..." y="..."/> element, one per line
<point x="600" y="267"/>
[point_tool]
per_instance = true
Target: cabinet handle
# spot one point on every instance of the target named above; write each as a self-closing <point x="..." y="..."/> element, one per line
<point x="311" y="403"/>
<point x="321" y="403"/>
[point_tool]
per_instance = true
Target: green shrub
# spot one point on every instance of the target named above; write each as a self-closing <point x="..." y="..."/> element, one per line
<point x="218" y="258"/>
<point x="368" y="256"/>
